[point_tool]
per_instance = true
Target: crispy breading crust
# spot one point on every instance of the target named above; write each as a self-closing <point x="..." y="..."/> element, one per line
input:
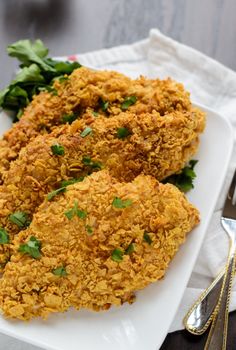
<point x="28" y="287"/>
<point x="83" y="89"/>
<point x="158" y="146"/>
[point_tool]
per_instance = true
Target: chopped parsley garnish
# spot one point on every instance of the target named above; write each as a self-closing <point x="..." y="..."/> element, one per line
<point x="89" y="230"/>
<point x="184" y="179"/>
<point x="4" y="237"/>
<point x="129" y="249"/>
<point x="89" y="162"/>
<point x="121" y="204"/>
<point x="95" y="114"/>
<point x="58" y="150"/>
<point x="75" y="211"/>
<point x="128" y="101"/>
<point x="69" y="118"/>
<point x="20" y="218"/>
<point x="86" y="131"/>
<point x="122" y="133"/>
<point x="65" y="183"/>
<point x="37" y="73"/>
<point x="104" y="105"/>
<point x="60" y="271"/>
<point x="117" y="255"/>
<point x="32" y="248"/>
<point x="52" y="194"/>
<point x="147" y="238"/>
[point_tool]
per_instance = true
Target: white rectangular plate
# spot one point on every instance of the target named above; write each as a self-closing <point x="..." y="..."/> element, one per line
<point x="144" y="324"/>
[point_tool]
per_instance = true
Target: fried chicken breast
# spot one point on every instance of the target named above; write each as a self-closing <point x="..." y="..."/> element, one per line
<point x="86" y="89"/>
<point x="155" y="145"/>
<point x="125" y="240"/>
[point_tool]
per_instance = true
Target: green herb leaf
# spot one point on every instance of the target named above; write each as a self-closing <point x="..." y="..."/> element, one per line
<point x="32" y="248"/>
<point x="60" y="271"/>
<point x="89" y="162"/>
<point x="128" y="101"/>
<point x="66" y="67"/>
<point x="28" y="52"/>
<point x="48" y="88"/>
<point x="65" y="183"/>
<point x="69" y="214"/>
<point x="19" y="113"/>
<point x="81" y="214"/>
<point x="147" y="238"/>
<point x="3" y="93"/>
<point x="58" y="150"/>
<point x="16" y="97"/>
<point x="122" y="133"/>
<point x="120" y="204"/>
<point x="95" y="114"/>
<point x="117" y="255"/>
<point x="130" y="249"/>
<point x="52" y="194"/>
<point x="89" y="230"/>
<point x="75" y="211"/>
<point x="104" y="105"/>
<point x="86" y="131"/>
<point x="20" y="219"/>
<point x="70" y="118"/>
<point x="37" y="73"/>
<point x="4" y="237"/>
<point x="29" y="74"/>
<point x="184" y="179"/>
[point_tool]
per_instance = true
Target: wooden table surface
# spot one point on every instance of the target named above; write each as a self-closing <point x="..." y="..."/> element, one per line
<point x="85" y="25"/>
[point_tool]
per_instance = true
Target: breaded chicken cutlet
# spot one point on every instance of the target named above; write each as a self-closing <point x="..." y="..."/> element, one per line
<point x="95" y="245"/>
<point x="96" y="91"/>
<point x="152" y="144"/>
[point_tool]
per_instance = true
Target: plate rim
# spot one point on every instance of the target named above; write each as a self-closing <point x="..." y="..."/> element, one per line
<point x="225" y="167"/>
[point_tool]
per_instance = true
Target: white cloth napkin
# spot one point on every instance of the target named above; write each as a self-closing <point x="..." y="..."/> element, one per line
<point x="210" y="83"/>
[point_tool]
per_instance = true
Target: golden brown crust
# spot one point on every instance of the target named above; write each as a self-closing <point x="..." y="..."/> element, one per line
<point x="83" y="89"/>
<point x="28" y="287"/>
<point x="158" y="146"/>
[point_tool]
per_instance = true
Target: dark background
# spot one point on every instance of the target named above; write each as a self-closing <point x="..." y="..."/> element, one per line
<point x="76" y="26"/>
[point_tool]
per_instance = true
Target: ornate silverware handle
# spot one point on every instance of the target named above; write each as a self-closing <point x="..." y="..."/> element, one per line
<point x="199" y="317"/>
<point x="218" y="334"/>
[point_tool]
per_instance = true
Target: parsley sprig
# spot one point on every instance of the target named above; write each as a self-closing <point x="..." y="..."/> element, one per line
<point x="4" y="237"/>
<point x="32" y="248"/>
<point x="52" y="194"/>
<point x="128" y="101"/>
<point x="75" y="211"/>
<point x="58" y="150"/>
<point x="117" y="255"/>
<point x="86" y="160"/>
<point x="147" y="238"/>
<point x="20" y="218"/>
<point x="37" y="73"/>
<point x="66" y="183"/>
<point x="184" y="179"/>
<point x="104" y="105"/>
<point x="121" y="204"/>
<point x="122" y="133"/>
<point x="86" y="132"/>
<point x="60" y="271"/>
<point x="69" y="118"/>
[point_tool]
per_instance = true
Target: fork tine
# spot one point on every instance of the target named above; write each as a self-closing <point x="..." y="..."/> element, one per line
<point x="229" y="210"/>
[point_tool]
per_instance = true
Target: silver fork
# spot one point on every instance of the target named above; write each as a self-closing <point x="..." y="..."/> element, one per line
<point x="213" y="304"/>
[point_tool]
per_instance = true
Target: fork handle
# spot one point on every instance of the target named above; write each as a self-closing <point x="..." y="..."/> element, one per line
<point x="199" y="317"/>
<point x="218" y="333"/>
